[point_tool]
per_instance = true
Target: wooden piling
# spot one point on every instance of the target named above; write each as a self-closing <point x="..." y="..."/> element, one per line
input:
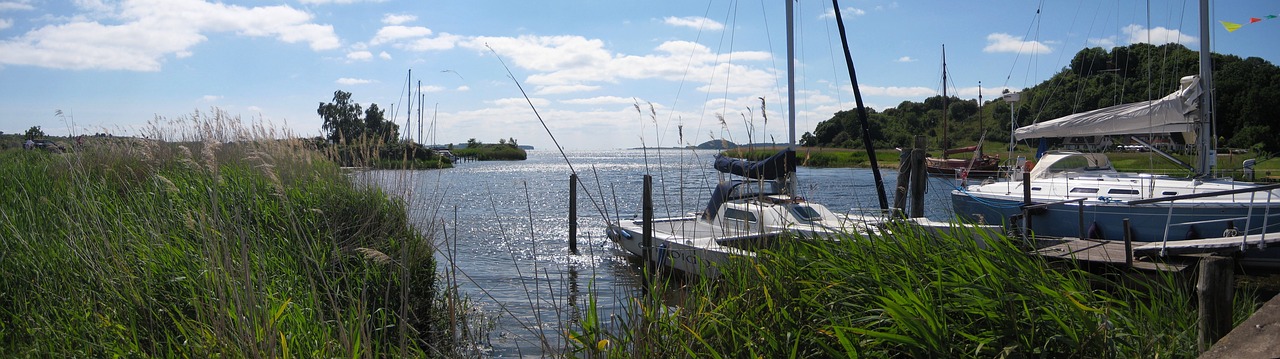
<point x="918" y="179"/>
<point x="1214" y="289"/>
<point x="904" y="181"/>
<point x="573" y="213"/>
<point x="646" y="238"/>
<point x="1026" y="201"/>
<point x="1128" y="244"/>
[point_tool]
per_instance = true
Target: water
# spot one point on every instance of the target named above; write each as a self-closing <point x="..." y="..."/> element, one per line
<point x="502" y="229"/>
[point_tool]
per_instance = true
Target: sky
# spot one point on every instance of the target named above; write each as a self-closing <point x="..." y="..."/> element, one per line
<point x="600" y="74"/>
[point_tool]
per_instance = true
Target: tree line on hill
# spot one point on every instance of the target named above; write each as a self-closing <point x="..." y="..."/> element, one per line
<point x="1245" y="93"/>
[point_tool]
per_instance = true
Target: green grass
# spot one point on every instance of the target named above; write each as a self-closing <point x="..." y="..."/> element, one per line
<point x="222" y="243"/>
<point x="907" y="295"/>
<point x="493" y="152"/>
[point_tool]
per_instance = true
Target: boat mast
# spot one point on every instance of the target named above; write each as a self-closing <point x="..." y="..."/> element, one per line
<point x="1206" y="157"/>
<point x="791" y="78"/>
<point x="945" y="124"/>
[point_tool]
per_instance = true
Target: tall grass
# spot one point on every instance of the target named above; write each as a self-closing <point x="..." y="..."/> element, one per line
<point x="908" y="295"/>
<point x="206" y="238"/>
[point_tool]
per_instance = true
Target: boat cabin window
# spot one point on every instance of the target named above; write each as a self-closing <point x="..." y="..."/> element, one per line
<point x="1122" y="191"/>
<point x="1035" y="188"/>
<point x="1169" y="193"/>
<point x="741" y="215"/>
<point x="755" y="188"/>
<point x="1084" y="190"/>
<point x="806" y="213"/>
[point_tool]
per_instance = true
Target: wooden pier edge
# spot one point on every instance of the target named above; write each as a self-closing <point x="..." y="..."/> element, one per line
<point x="1254" y="338"/>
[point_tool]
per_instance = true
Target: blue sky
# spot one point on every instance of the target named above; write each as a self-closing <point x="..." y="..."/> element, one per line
<point x="115" y="66"/>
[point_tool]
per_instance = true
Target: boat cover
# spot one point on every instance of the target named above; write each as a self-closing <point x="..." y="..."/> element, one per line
<point x="771" y="168"/>
<point x="1171" y="113"/>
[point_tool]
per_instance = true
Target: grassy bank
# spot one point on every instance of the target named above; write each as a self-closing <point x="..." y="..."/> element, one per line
<point x="219" y="243"/>
<point x="493" y="152"/>
<point x="907" y="296"/>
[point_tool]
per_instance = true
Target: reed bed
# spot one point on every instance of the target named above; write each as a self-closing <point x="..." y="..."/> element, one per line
<point x="906" y="295"/>
<point x="210" y="237"/>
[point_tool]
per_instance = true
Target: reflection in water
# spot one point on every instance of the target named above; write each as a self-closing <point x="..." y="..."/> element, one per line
<point x="507" y="229"/>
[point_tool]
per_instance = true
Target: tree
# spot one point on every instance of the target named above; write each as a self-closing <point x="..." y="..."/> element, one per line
<point x="34" y="132"/>
<point x="341" y="118"/>
<point x="345" y="121"/>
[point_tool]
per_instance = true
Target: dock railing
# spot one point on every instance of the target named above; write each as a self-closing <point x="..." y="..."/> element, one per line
<point x="1027" y="208"/>
<point x="1244" y="239"/>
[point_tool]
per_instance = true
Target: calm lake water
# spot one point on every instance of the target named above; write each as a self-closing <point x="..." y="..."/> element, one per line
<point x="502" y="229"/>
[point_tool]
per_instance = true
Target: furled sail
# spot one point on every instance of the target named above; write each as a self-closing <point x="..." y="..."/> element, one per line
<point x="771" y="168"/>
<point x="1172" y="113"/>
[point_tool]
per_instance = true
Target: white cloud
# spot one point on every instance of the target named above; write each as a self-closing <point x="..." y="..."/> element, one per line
<point x="16" y="5"/>
<point x="1000" y="42"/>
<point x="431" y="88"/>
<point x="1139" y="34"/>
<point x="340" y="2"/>
<point x="896" y="91"/>
<point x="210" y="98"/>
<point x="384" y="55"/>
<point x="463" y="88"/>
<point x="397" y="32"/>
<point x="352" y="81"/>
<point x="359" y="56"/>
<point x="6" y="23"/>
<point x="601" y="100"/>
<point x="142" y="33"/>
<point x="397" y="19"/>
<point x="694" y="22"/>
<point x="520" y="102"/>
<point x="831" y="14"/>
<point x="576" y="60"/>
<point x="905" y="59"/>
<point x="561" y="89"/>
<point x="444" y="41"/>
<point x="1106" y="42"/>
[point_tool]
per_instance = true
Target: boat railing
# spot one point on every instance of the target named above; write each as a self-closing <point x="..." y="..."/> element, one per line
<point x="1244" y="239"/>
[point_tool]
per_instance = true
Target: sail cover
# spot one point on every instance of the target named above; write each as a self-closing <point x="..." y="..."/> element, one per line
<point x="1171" y="113"/>
<point x="771" y="168"/>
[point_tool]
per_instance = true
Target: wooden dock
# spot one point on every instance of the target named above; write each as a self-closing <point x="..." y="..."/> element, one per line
<point x="1150" y="256"/>
<point x="1092" y="251"/>
<point x="1255" y="338"/>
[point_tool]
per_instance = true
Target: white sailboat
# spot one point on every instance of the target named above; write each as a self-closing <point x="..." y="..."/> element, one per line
<point x="1081" y="195"/>
<point x="748" y="213"/>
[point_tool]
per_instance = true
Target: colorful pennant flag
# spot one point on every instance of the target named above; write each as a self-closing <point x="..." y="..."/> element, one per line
<point x="1232" y="27"/>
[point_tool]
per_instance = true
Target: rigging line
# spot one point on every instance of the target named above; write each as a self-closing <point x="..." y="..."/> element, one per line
<point x="544" y="127"/>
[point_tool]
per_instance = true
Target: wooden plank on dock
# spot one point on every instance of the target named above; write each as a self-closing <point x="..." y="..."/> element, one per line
<point x="1208" y="245"/>
<point x="1255" y="338"/>
<point x="1101" y="252"/>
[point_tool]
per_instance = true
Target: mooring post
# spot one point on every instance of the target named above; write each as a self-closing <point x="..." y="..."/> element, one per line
<point x="1026" y="200"/>
<point x="573" y="213"/>
<point x="918" y="179"/>
<point x="1214" y="289"/>
<point x="1128" y="243"/>
<point x="904" y="181"/>
<point x="646" y="238"/>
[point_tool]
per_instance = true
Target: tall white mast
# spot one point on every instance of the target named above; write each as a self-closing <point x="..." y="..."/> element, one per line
<point x="1206" y="157"/>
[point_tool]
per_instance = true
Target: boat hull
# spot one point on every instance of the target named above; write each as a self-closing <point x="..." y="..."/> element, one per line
<point x="1147" y="223"/>
<point x="698" y="255"/>
<point x="1105" y="220"/>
